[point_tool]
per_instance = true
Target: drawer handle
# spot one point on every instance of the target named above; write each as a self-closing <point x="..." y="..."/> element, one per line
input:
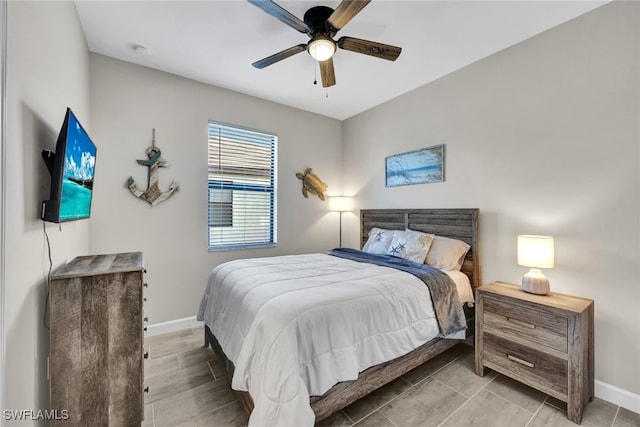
<point x="520" y="361"/>
<point x="521" y="323"/>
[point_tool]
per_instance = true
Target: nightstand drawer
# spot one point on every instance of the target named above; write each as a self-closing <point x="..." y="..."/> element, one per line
<point x="510" y="320"/>
<point x="525" y="364"/>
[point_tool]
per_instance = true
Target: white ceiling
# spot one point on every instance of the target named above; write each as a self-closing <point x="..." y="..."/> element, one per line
<point x="216" y="41"/>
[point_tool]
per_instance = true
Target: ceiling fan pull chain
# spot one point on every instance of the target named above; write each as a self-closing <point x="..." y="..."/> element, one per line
<point x="315" y="74"/>
<point x="327" y="94"/>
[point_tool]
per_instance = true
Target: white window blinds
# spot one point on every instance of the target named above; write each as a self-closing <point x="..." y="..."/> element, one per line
<point x="242" y="187"/>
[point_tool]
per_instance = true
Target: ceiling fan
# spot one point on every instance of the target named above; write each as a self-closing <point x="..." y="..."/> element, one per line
<point x="321" y="23"/>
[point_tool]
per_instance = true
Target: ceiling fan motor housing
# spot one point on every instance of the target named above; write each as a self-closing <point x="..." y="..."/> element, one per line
<point x="316" y="20"/>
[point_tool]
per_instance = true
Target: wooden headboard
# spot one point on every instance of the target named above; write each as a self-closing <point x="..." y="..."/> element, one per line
<point x="461" y="224"/>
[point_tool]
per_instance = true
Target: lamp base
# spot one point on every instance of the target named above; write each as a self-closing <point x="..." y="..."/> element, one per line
<point x="535" y="282"/>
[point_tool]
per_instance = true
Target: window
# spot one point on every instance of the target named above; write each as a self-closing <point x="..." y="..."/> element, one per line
<point x="241" y="188"/>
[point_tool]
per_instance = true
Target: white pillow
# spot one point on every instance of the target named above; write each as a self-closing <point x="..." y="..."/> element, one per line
<point x="446" y="253"/>
<point x="379" y="241"/>
<point x="411" y="245"/>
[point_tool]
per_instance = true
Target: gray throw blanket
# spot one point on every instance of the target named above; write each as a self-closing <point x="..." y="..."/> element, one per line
<point x="444" y="295"/>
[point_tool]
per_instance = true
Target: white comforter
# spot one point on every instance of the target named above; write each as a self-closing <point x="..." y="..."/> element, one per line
<point x="296" y="325"/>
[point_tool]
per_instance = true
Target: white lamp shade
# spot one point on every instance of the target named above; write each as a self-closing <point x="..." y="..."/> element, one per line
<point x="321" y="48"/>
<point x="535" y="251"/>
<point x="340" y="204"/>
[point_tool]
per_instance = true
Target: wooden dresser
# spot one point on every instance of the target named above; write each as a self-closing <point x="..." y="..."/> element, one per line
<point x="545" y="341"/>
<point x="96" y="340"/>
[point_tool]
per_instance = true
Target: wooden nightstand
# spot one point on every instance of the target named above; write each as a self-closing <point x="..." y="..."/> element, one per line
<point x="545" y="342"/>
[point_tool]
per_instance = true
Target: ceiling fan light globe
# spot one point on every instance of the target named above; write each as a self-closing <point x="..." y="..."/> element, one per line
<point x="321" y="49"/>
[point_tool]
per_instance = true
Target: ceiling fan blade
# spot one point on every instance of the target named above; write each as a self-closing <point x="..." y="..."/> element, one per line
<point x="327" y="73"/>
<point x="345" y="12"/>
<point x="280" y="56"/>
<point x="366" y="47"/>
<point x="278" y="12"/>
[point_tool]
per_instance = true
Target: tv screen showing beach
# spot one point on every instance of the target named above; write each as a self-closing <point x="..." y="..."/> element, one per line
<point x="79" y="164"/>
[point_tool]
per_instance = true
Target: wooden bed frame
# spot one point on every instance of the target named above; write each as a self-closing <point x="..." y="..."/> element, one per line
<point x="460" y="224"/>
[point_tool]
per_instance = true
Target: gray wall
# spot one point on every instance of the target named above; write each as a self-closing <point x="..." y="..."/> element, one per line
<point x="47" y="70"/>
<point x="543" y="137"/>
<point x="127" y="101"/>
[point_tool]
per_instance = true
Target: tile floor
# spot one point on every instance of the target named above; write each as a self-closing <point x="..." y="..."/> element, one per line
<point x="188" y="387"/>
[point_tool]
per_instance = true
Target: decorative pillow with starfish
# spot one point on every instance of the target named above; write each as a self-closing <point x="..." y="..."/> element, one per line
<point x="379" y="241"/>
<point x="411" y="245"/>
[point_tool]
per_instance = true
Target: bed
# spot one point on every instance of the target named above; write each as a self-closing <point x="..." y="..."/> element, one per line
<point x="383" y="364"/>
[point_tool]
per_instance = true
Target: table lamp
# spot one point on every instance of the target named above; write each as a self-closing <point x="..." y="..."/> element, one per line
<point x="535" y="252"/>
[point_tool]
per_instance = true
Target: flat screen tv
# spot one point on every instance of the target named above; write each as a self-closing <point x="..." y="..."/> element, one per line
<point x="72" y="169"/>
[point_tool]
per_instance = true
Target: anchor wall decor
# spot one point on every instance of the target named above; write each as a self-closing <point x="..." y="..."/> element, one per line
<point x="154" y="162"/>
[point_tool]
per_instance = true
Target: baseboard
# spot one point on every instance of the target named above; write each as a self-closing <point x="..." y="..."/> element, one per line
<point x="617" y="396"/>
<point x="171" y="326"/>
<point x="603" y="391"/>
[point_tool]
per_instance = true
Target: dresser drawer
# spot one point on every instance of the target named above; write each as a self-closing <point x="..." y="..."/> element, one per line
<point x="526" y="364"/>
<point x="509" y="320"/>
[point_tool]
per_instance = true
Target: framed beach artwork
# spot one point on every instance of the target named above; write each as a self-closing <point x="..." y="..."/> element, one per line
<point x="415" y="167"/>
